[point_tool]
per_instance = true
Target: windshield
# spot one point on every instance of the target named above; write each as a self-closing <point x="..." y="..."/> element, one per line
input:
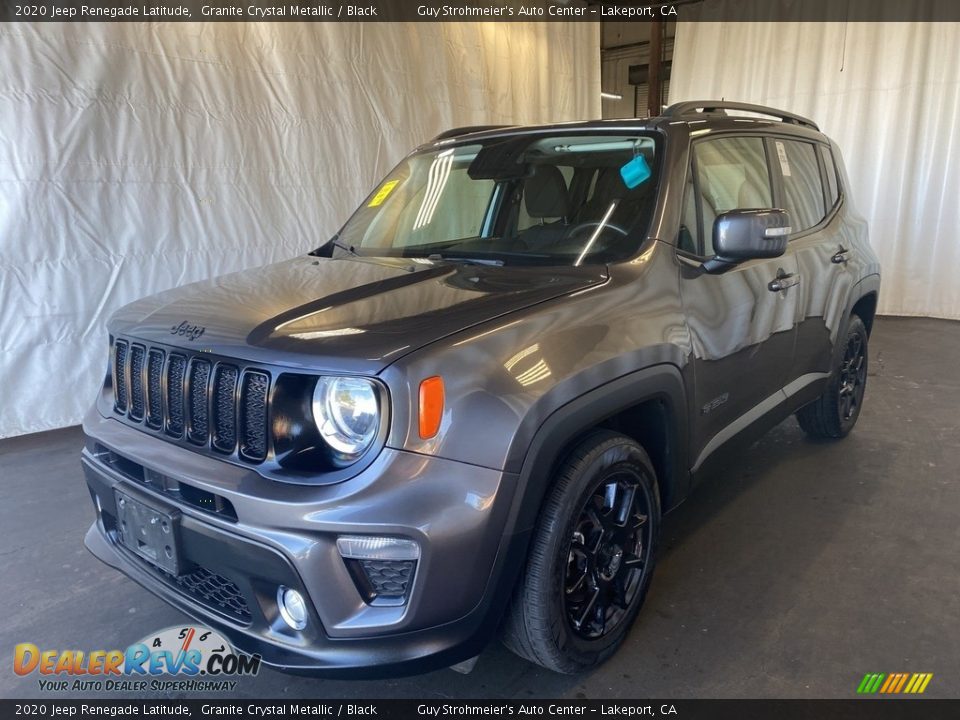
<point x="556" y="199"/>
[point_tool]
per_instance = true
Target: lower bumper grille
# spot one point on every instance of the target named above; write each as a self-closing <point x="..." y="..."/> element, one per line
<point x="382" y="582"/>
<point x="215" y="591"/>
<point x="389" y="578"/>
<point x="206" y="587"/>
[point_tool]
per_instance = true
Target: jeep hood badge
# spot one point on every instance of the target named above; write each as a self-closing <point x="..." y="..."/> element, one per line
<point x="188" y="331"/>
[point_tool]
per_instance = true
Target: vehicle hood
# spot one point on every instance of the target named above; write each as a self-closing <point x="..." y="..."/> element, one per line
<point x="351" y="314"/>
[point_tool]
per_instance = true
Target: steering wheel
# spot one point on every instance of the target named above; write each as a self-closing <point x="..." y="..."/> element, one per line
<point x="581" y="230"/>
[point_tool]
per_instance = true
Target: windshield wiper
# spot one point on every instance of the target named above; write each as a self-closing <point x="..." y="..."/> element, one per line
<point x="465" y="260"/>
<point x="335" y="242"/>
<point x="343" y="246"/>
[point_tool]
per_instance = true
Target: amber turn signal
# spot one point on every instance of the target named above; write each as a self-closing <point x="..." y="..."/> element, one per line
<point x="431" y="406"/>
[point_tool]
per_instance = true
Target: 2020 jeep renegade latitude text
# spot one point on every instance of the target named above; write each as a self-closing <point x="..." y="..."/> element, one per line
<point x="468" y="411"/>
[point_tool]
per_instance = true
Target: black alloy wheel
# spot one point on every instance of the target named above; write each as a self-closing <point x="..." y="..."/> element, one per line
<point x="835" y="412"/>
<point x="608" y="555"/>
<point x="853" y="377"/>
<point x="591" y="558"/>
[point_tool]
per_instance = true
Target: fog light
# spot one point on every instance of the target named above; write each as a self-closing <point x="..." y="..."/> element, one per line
<point x="293" y="608"/>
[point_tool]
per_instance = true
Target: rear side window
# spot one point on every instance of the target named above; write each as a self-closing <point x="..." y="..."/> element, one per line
<point x="731" y="174"/>
<point x="830" y="170"/>
<point x="802" y="185"/>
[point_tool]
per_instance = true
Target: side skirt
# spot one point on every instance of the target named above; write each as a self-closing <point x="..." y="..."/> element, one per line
<point x="754" y="423"/>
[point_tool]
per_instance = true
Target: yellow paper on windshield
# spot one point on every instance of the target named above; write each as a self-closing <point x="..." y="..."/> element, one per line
<point x="382" y="193"/>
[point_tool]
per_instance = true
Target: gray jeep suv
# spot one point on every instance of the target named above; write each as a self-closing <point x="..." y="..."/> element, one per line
<point x="466" y="413"/>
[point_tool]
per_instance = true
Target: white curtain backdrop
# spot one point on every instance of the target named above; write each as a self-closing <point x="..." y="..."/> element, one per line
<point x="137" y="157"/>
<point x="889" y="94"/>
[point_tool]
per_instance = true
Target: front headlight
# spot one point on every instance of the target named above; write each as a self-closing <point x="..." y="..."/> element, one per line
<point x="347" y="413"/>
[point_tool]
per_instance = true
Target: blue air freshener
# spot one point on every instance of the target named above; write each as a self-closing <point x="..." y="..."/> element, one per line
<point x="635" y="172"/>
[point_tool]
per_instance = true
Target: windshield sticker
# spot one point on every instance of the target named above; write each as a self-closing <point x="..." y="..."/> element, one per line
<point x="383" y="193"/>
<point x="635" y="172"/>
<point x="784" y="163"/>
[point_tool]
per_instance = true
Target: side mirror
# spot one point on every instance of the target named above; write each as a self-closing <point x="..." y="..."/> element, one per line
<point x="741" y="235"/>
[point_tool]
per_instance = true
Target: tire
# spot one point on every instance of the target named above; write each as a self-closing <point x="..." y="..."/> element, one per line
<point x="590" y="542"/>
<point x="835" y="412"/>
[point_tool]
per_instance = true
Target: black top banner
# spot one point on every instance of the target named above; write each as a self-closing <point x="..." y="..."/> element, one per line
<point x="480" y="10"/>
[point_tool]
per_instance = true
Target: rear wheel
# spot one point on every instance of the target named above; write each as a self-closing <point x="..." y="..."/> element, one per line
<point x="834" y="413"/>
<point x="591" y="557"/>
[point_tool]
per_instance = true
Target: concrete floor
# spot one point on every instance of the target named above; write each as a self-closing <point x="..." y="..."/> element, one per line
<point x="790" y="575"/>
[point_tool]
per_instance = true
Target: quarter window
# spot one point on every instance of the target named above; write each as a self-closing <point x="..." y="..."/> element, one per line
<point x="689" y="239"/>
<point x="802" y="186"/>
<point x="833" y="189"/>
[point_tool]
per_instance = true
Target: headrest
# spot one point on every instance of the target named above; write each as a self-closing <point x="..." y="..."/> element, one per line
<point x="609" y="185"/>
<point x="545" y="193"/>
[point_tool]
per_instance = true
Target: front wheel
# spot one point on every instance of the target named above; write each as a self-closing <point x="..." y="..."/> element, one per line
<point x="835" y="412"/>
<point x="591" y="557"/>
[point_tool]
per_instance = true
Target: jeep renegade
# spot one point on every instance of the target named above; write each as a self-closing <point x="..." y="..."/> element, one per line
<point x="466" y="413"/>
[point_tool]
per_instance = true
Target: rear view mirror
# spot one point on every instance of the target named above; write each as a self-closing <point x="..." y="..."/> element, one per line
<point x="741" y="235"/>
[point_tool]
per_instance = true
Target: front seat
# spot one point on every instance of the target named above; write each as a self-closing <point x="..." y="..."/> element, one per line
<point x="545" y="197"/>
<point x="609" y="187"/>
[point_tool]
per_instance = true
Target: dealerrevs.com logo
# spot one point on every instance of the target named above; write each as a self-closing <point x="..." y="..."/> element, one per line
<point x="201" y="658"/>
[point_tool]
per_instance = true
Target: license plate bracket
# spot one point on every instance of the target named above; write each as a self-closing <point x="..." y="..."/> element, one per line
<point x="148" y="531"/>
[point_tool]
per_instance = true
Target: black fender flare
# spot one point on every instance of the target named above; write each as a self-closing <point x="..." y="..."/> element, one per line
<point x="663" y="383"/>
<point x="867" y="285"/>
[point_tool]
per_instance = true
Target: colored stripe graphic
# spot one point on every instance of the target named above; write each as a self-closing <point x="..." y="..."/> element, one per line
<point x="870" y="683"/>
<point x="918" y="683"/>
<point x="894" y="683"/>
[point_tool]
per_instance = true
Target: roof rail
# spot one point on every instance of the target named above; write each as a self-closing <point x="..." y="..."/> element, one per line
<point x="713" y="107"/>
<point x="466" y="130"/>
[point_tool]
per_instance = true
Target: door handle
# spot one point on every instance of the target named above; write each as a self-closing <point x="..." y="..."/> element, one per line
<point x="840" y="256"/>
<point x="782" y="281"/>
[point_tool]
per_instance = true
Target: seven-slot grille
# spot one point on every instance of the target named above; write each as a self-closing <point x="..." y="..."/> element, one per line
<point x="192" y="398"/>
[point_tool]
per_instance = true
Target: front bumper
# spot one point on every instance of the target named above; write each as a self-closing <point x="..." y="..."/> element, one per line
<point x="281" y="534"/>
